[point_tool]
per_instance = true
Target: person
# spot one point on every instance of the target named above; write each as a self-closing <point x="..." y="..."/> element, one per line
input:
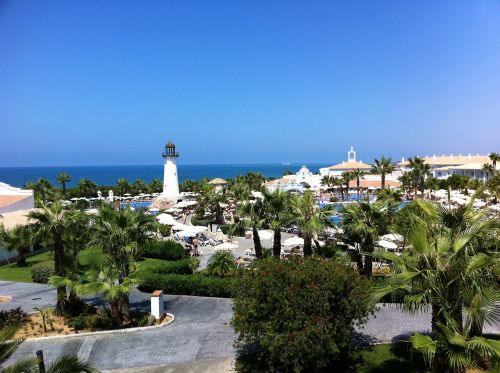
<point x="196" y="243"/>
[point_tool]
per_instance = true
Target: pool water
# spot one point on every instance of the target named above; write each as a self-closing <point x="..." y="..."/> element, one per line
<point x="135" y="205"/>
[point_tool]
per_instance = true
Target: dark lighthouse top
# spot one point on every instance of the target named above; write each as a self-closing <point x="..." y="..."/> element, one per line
<point x="170" y="150"/>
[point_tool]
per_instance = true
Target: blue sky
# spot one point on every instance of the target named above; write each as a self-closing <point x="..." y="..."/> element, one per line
<point x="109" y="82"/>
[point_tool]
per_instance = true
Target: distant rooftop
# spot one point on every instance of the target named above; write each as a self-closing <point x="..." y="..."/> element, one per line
<point x="452" y="160"/>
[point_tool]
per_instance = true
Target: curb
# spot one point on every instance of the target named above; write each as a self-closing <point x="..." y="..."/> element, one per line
<point x="118" y="331"/>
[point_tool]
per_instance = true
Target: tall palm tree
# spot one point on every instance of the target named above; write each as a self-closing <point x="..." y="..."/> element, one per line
<point x="420" y="171"/>
<point x="383" y="167"/>
<point x="363" y="223"/>
<point x="43" y="189"/>
<point x="87" y="187"/>
<point x="494" y="157"/>
<point x="62" y="179"/>
<point x="310" y="219"/>
<point x="346" y="178"/>
<point x="155" y="186"/>
<point x="448" y="266"/>
<point x="276" y="215"/>
<point x="119" y="233"/>
<point x="488" y="170"/>
<point x="52" y="223"/>
<point x="123" y="187"/>
<point x="493" y="186"/>
<point x="328" y="181"/>
<point x="251" y="215"/>
<point x="213" y="200"/>
<point x="358" y="174"/>
<point x="17" y="239"/>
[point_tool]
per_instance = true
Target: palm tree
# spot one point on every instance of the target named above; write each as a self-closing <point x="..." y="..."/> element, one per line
<point x="328" y="181"/>
<point x="448" y="266"/>
<point x="155" y="186"/>
<point x="139" y="186"/>
<point x="383" y="167"/>
<point x="221" y="263"/>
<point x="488" y="170"/>
<point x="64" y="364"/>
<point x="358" y="174"/>
<point x="53" y="222"/>
<point x="17" y="239"/>
<point x="276" y="215"/>
<point x="62" y="179"/>
<point x="213" y="200"/>
<point x="419" y="170"/>
<point x="122" y="186"/>
<point x="405" y="181"/>
<point x="87" y="187"/>
<point x="494" y="187"/>
<point x="311" y="220"/>
<point x="363" y="223"/>
<point x="251" y="215"/>
<point x="494" y="157"/>
<point x="346" y="178"/>
<point x="43" y="189"/>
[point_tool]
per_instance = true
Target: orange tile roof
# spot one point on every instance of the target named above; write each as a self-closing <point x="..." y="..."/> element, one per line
<point x="453" y="160"/>
<point x="8" y="200"/>
<point x="373" y="183"/>
<point x="350" y="166"/>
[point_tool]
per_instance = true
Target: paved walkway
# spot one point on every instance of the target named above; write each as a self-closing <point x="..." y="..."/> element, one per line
<point x="201" y="333"/>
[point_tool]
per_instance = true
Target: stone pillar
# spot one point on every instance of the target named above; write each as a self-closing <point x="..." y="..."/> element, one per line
<point x="157" y="308"/>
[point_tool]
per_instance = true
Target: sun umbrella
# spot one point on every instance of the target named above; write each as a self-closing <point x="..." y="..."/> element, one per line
<point x="186" y="234"/>
<point x="293" y="241"/>
<point x="265" y="234"/>
<point x="387" y="244"/>
<point x="166" y="219"/>
<point x="180" y="227"/>
<point x="226" y="246"/>
<point x="219" y="236"/>
<point x="392" y="237"/>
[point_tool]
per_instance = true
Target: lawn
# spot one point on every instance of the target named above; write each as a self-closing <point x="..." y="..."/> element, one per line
<point x="390" y="358"/>
<point x="12" y="272"/>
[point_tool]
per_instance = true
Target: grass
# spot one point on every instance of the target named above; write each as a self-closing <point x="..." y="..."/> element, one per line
<point x="12" y="272"/>
<point x="390" y="358"/>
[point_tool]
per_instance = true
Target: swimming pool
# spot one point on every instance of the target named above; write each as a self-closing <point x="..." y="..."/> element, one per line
<point x="135" y="205"/>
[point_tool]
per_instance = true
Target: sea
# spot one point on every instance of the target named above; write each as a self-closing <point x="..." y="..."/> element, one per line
<point x="107" y="175"/>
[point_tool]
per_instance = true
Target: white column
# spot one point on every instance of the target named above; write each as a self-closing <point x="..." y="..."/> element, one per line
<point x="157" y="307"/>
<point x="170" y="178"/>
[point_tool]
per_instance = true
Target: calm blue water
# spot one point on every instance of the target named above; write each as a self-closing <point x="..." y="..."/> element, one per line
<point x="107" y="175"/>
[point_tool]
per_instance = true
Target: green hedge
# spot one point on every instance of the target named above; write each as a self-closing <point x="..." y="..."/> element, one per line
<point x="186" y="284"/>
<point x="168" y="250"/>
<point x="181" y="267"/>
<point x="204" y="222"/>
<point x="41" y="272"/>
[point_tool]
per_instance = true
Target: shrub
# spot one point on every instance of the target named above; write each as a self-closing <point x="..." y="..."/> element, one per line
<point x="98" y="321"/>
<point x="41" y="272"/>
<point x="168" y="250"/>
<point x="186" y="284"/>
<point x="14" y="316"/>
<point x="78" y="322"/>
<point x="200" y="221"/>
<point x="182" y="267"/>
<point x="221" y="263"/>
<point x="300" y="314"/>
<point x="164" y="230"/>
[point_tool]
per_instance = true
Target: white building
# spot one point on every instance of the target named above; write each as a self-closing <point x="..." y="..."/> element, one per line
<point x="350" y="165"/>
<point x="170" y="178"/>
<point x="442" y="167"/>
<point x="302" y="180"/>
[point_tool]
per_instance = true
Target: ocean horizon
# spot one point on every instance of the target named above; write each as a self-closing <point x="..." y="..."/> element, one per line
<point x="108" y="175"/>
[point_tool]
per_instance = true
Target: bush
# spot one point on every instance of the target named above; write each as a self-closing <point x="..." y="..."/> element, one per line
<point x="78" y="322"/>
<point x="41" y="272"/>
<point x="181" y="267"/>
<point x="300" y="314"/>
<point x="164" y="230"/>
<point x="168" y="250"/>
<point x="98" y="321"/>
<point x="186" y="284"/>
<point x="200" y="221"/>
<point x="15" y="316"/>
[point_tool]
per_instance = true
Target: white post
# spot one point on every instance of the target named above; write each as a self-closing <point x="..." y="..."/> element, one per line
<point x="157" y="308"/>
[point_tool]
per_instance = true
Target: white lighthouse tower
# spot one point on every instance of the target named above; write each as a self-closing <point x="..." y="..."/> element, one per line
<point x="170" y="179"/>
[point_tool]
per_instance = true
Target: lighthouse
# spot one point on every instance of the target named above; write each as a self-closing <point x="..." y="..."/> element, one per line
<point x="170" y="179"/>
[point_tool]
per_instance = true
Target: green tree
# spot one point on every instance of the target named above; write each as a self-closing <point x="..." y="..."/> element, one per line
<point x="52" y="223"/>
<point x="139" y="186"/>
<point x="255" y="181"/>
<point x="364" y="222"/>
<point x="299" y="313"/>
<point x="17" y="239"/>
<point x="358" y="174"/>
<point x="87" y="188"/>
<point x="382" y="166"/>
<point x="64" y="364"/>
<point x="122" y="186"/>
<point x="251" y="215"/>
<point x="346" y="178"/>
<point x="276" y="215"/>
<point x="221" y="263"/>
<point x="448" y="266"/>
<point x="489" y="170"/>
<point x="43" y="189"/>
<point x="119" y="233"/>
<point x="63" y="178"/>
<point x="328" y="181"/>
<point x="155" y="186"/>
<point x="310" y="219"/>
<point x="419" y="172"/>
<point x="494" y="157"/>
<point x="213" y="200"/>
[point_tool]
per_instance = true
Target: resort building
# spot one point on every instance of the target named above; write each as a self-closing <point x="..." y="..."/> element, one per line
<point x="350" y="165"/>
<point x="219" y="184"/>
<point x="302" y="180"/>
<point x="443" y="166"/>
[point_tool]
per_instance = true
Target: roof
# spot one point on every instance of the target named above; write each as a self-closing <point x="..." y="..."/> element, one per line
<point x="470" y="166"/>
<point x="352" y="165"/>
<point x="284" y="180"/>
<point x="217" y="181"/>
<point x="9" y="200"/>
<point x="374" y="183"/>
<point x="170" y="144"/>
<point x="453" y="160"/>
